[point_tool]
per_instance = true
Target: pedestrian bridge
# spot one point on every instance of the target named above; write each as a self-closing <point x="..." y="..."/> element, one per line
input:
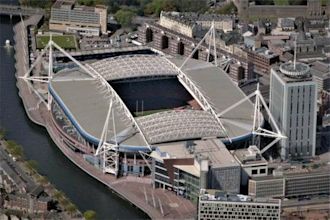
<point x="19" y="10"/>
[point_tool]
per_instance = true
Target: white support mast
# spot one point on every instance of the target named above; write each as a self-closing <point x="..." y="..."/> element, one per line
<point x="32" y="79"/>
<point x="257" y="119"/>
<point x="106" y="151"/>
<point x="211" y="34"/>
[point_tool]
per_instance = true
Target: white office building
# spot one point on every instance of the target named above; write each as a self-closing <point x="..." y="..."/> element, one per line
<point x="293" y="99"/>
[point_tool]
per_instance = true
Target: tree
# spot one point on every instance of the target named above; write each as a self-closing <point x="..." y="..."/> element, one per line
<point x="91" y="2"/>
<point x="227" y="9"/>
<point x="71" y="208"/>
<point x="124" y="17"/>
<point x="191" y="5"/>
<point x="37" y="3"/>
<point x="281" y="2"/>
<point x="2" y="133"/>
<point x="90" y="215"/>
<point x="14" y="149"/>
<point x="32" y="165"/>
<point x="43" y="180"/>
<point x="58" y="195"/>
<point x="156" y="6"/>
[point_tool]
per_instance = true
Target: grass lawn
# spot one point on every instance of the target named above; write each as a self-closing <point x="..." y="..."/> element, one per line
<point x="281" y="2"/>
<point x="138" y="114"/>
<point x="64" y="41"/>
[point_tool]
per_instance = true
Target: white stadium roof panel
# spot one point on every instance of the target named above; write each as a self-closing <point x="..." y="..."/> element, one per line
<point x="87" y="101"/>
<point x="131" y="66"/>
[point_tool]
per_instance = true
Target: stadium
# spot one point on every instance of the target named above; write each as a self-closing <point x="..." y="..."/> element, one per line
<point x="116" y="110"/>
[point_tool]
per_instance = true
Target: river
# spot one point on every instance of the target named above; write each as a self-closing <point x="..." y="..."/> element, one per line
<point x="86" y="192"/>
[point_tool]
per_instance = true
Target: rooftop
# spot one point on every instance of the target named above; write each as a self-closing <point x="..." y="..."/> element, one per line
<point x="263" y="51"/>
<point x="320" y="69"/>
<point x="212" y="149"/>
<point x="297" y="172"/>
<point x="249" y="156"/>
<point x="64" y="4"/>
<point x="291" y="74"/>
<point x="215" y="195"/>
<point x="131" y="66"/>
<point x="286" y="22"/>
<point x="85" y="101"/>
<point x="191" y="18"/>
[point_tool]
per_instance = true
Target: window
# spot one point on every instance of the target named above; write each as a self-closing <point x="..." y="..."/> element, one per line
<point x="262" y="171"/>
<point x="254" y="172"/>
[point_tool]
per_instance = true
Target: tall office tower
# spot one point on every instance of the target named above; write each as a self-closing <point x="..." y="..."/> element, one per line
<point x="293" y="97"/>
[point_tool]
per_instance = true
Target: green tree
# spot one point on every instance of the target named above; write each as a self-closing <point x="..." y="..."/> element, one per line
<point x="64" y="202"/>
<point x="32" y="165"/>
<point x="264" y="2"/>
<point x="2" y="133"/>
<point x="43" y="180"/>
<point x="227" y="9"/>
<point x="156" y="6"/>
<point x="91" y="2"/>
<point x="124" y="17"/>
<point x="14" y="149"/>
<point x="71" y="208"/>
<point x="281" y="2"/>
<point x="37" y="3"/>
<point x="58" y="195"/>
<point x="90" y="215"/>
<point x="191" y="5"/>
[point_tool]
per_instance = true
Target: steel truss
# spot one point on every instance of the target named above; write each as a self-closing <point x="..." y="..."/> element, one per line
<point x="30" y="79"/>
<point x="257" y="129"/>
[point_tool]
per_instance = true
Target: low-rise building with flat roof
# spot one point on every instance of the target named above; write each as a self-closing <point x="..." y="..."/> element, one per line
<point x="219" y="205"/>
<point x="294" y="182"/>
<point x="67" y="16"/>
<point x="253" y="164"/>
<point x="186" y="167"/>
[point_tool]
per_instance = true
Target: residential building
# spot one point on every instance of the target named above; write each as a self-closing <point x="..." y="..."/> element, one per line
<point x="321" y="75"/>
<point x="313" y="9"/>
<point x="67" y="16"/>
<point x="278" y="46"/>
<point x="219" y="205"/>
<point x="191" y="24"/>
<point x="252" y="42"/>
<point x="286" y="24"/>
<point x="293" y="97"/>
<point x="24" y="202"/>
<point x="262" y="60"/>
